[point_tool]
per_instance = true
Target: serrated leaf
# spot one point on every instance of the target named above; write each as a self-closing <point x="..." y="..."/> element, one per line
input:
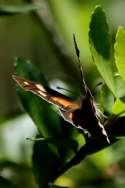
<point x="120" y="51"/>
<point x="8" y="10"/>
<point x="100" y="46"/>
<point x="99" y="32"/>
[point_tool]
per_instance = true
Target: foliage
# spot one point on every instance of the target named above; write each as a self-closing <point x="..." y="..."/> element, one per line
<point x="61" y="146"/>
<point x="8" y="10"/>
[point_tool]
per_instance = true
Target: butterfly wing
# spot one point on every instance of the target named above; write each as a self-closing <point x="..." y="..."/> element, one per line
<point x="84" y="116"/>
<point x="63" y="102"/>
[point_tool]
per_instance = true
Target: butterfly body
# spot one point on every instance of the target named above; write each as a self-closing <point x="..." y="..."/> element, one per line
<point x="88" y="120"/>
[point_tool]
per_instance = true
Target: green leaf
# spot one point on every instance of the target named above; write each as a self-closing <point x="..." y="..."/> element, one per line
<point x="105" y="98"/>
<point x="120" y="85"/>
<point x="44" y="155"/>
<point x="57" y="186"/>
<point x="120" y="51"/>
<point x="45" y="118"/>
<point x="48" y="122"/>
<point x="8" y="10"/>
<point x="119" y="107"/>
<point x="64" y="142"/>
<point x="45" y="164"/>
<point x="100" y="46"/>
<point x="47" y="157"/>
<point x="99" y="33"/>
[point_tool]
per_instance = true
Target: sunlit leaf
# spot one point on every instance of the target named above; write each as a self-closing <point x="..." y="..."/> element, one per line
<point x="119" y="107"/>
<point x="120" y="85"/>
<point x="100" y="46"/>
<point x="57" y="186"/>
<point x="120" y="51"/>
<point x="105" y="98"/>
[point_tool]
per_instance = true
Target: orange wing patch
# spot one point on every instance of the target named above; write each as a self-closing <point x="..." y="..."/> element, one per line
<point x="67" y="104"/>
<point x="51" y="96"/>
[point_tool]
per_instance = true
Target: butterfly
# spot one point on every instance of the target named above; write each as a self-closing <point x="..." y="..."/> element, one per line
<point x="83" y="115"/>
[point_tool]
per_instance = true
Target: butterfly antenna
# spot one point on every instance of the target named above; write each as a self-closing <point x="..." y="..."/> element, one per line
<point x="65" y="89"/>
<point x="80" y="65"/>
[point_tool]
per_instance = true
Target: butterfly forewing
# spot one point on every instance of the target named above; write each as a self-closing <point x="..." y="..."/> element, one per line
<point x="83" y="116"/>
<point x="63" y="102"/>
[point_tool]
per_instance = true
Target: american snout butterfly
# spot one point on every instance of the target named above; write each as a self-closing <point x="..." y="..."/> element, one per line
<point x="83" y="116"/>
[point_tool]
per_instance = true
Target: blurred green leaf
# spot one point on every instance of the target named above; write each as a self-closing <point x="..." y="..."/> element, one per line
<point x="120" y="51"/>
<point x="45" y="164"/>
<point x="9" y="116"/>
<point x="18" y="173"/>
<point x="100" y="46"/>
<point x="4" y="183"/>
<point x="9" y="10"/>
<point x="55" y="186"/>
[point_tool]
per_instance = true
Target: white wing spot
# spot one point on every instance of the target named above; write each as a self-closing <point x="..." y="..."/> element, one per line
<point x="42" y="94"/>
<point x="40" y="87"/>
<point x="26" y="83"/>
